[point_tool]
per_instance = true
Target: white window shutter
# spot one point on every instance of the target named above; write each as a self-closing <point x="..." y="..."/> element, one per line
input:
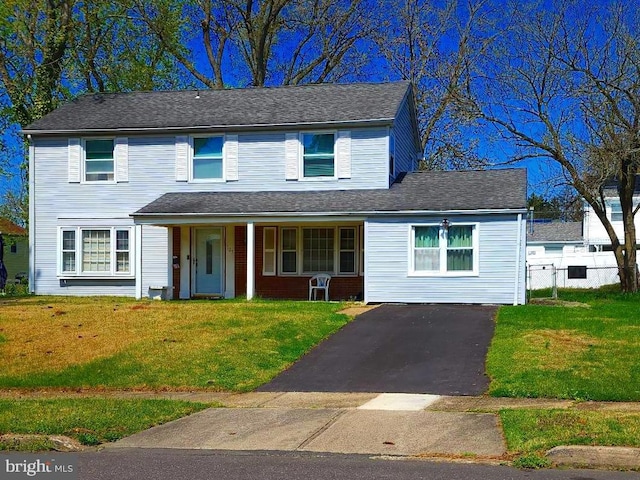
<point x="291" y="153"/>
<point x="75" y="154"/>
<point x="343" y="154"/>
<point x="182" y="159"/>
<point x="231" y="157"/>
<point x="121" y="154"/>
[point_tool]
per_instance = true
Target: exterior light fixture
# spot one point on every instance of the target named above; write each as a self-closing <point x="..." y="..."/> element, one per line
<point x="445" y="223"/>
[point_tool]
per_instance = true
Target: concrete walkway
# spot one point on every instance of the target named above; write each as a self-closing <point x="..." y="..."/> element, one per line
<point x="377" y="424"/>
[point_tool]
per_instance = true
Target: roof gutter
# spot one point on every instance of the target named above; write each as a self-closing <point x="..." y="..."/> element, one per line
<point x="335" y="214"/>
<point x="200" y="128"/>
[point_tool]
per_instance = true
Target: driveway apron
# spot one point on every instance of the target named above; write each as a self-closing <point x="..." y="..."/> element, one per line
<point x="437" y="349"/>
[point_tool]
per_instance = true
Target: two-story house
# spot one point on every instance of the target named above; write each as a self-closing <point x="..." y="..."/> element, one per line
<point x="252" y="191"/>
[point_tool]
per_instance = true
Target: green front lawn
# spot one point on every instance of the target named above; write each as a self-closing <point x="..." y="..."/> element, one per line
<point x="119" y="343"/>
<point x="91" y="421"/>
<point x="586" y="350"/>
<point x="530" y="433"/>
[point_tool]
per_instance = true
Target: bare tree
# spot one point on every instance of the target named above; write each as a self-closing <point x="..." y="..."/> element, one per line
<point x="272" y="41"/>
<point x="437" y="45"/>
<point x="564" y="86"/>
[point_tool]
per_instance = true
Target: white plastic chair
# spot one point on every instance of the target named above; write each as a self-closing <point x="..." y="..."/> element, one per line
<point x="319" y="282"/>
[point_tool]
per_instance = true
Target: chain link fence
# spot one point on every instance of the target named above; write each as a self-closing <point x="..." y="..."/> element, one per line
<point x="544" y="280"/>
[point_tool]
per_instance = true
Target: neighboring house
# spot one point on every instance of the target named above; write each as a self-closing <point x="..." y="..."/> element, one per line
<point x="16" y="248"/>
<point x="250" y="192"/>
<point x="595" y="234"/>
<point x="554" y="238"/>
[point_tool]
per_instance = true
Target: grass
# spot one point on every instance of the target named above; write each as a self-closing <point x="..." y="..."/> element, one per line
<point x="530" y="433"/>
<point x="91" y="421"/>
<point x="584" y="352"/>
<point x="91" y="342"/>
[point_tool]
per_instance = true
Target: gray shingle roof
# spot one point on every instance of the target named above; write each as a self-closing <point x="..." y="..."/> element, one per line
<point x="555" y="232"/>
<point x="426" y="191"/>
<point x="250" y="107"/>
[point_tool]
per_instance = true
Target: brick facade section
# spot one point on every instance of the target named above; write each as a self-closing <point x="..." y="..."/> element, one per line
<point x="241" y="260"/>
<point x="176" y="271"/>
<point x="295" y="288"/>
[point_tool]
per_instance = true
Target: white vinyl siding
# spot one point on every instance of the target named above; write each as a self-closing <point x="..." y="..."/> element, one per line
<point x="389" y="257"/>
<point x="158" y="164"/>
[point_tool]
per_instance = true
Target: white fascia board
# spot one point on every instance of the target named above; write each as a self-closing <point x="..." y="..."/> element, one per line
<point x="211" y="128"/>
<point x="190" y="218"/>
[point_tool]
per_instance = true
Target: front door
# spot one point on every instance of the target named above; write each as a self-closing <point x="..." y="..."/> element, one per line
<point x="208" y="264"/>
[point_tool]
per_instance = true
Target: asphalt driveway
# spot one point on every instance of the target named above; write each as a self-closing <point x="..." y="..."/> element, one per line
<point x="437" y="349"/>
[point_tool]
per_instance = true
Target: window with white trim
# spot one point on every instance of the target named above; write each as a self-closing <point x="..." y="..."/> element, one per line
<point x="99" y="160"/>
<point x="347" y="246"/>
<point x="318" y="154"/>
<point x="269" y="251"/>
<point x="317" y="250"/>
<point x="289" y="250"/>
<point x="436" y="250"/>
<point x="99" y="252"/>
<point x="207" y="158"/>
<point x="310" y="250"/>
<point x="616" y="211"/>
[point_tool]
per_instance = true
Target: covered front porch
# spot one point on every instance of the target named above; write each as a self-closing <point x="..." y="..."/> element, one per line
<point x="265" y="258"/>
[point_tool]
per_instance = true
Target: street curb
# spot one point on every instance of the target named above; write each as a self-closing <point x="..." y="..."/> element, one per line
<point x="595" y="457"/>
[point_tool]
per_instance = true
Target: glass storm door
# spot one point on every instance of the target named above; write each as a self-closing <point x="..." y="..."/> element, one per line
<point x="209" y="265"/>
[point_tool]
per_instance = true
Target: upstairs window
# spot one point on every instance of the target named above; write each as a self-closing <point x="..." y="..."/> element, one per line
<point x="207" y="158"/>
<point x="98" y="161"/>
<point x="616" y="211"/>
<point x="318" y="155"/>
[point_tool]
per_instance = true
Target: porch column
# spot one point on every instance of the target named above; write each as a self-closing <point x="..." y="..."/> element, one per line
<point x="251" y="258"/>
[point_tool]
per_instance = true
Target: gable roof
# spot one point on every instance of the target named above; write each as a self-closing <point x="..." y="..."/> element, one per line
<point x="223" y="109"/>
<point x="7" y="227"/>
<point x="419" y="191"/>
<point x="568" y="232"/>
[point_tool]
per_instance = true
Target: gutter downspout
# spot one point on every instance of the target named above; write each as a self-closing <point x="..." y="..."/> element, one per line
<point x="32" y="216"/>
<point x="516" y="287"/>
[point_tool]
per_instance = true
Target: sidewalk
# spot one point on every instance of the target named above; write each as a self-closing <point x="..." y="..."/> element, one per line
<point x="421" y="425"/>
<point x="375" y="424"/>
